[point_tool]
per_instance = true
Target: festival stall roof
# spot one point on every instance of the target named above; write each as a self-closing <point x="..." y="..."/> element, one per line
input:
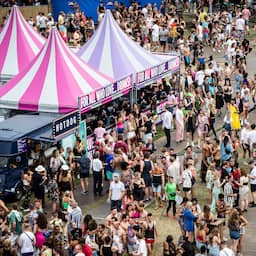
<point x="19" y="44"/>
<point x="112" y="52"/>
<point x="53" y="81"/>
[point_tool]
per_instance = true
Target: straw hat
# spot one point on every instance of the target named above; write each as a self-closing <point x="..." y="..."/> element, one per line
<point x="40" y="168"/>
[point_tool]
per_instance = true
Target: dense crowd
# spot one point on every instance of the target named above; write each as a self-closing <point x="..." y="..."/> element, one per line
<point x="130" y="163"/>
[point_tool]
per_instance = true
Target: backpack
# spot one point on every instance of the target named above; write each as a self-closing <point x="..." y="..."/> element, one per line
<point x="85" y="164"/>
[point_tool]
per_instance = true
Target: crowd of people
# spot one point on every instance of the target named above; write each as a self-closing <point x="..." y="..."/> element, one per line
<point x="127" y="160"/>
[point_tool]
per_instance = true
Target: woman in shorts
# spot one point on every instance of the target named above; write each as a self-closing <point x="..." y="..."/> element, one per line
<point x="157" y="184"/>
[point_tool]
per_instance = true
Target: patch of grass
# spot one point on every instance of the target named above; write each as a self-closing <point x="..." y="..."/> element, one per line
<point x="159" y="133"/>
<point x="94" y="204"/>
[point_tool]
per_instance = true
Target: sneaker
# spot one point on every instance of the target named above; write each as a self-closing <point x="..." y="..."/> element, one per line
<point x="174" y="217"/>
<point x="187" y="144"/>
<point x="193" y="144"/>
<point x="167" y="215"/>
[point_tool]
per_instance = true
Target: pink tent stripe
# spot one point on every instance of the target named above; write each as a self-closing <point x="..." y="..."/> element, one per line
<point x="25" y="52"/>
<point x="65" y="84"/>
<point x="78" y="67"/>
<point x="4" y="47"/>
<point x="32" y="95"/>
<point x="65" y="80"/>
<point x="35" y="36"/>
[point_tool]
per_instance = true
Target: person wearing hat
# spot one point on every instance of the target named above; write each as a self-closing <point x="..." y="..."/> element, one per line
<point x="65" y="180"/>
<point x="39" y="179"/>
<point x="116" y="192"/>
<point x="167" y="125"/>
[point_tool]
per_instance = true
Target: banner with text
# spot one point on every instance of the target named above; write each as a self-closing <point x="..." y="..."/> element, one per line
<point x="172" y="65"/>
<point x="102" y="95"/>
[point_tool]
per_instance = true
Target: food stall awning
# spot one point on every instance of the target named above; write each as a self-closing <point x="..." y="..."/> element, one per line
<point x="15" y="130"/>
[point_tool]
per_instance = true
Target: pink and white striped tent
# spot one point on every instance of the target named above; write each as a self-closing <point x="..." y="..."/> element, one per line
<point x="53" y="81"/>
<point x="19" y="44"/>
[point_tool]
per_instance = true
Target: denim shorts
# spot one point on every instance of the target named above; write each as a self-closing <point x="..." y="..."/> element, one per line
<point x="157" y="188"/>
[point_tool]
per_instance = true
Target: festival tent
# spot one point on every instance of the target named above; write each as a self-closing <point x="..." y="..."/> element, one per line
<point x="19" y="44"/>
<point x="53" y="81"/>
<point x="112" y="52"/>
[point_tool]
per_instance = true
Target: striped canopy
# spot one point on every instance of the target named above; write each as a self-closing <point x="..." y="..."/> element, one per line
<point x="53" y="81"/>
<point x="19" y="44"/>
<point x="112" y="52"/>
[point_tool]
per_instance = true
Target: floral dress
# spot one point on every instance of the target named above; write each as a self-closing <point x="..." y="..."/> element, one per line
<point x="209" y="179"/>
<point x="53" y="190"/>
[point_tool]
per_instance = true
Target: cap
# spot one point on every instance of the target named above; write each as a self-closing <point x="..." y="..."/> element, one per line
<point x="40" y="168"/>
<point x="65" y="167"/>
<point x="115" y="174"/>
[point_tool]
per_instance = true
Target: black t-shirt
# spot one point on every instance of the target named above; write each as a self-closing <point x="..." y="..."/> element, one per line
<point x="188" y="249"/>
<point x="224" y="174"/>
<point x="148" y="126"/>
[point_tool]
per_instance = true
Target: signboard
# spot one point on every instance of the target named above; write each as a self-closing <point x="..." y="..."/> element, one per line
<point x="66" y="123"/>
<point x="156" y="71"/>
<point x="105" y="93"/>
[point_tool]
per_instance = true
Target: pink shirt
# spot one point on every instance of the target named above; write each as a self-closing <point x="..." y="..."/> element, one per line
<point x="99" y="132"/>
<point x="246" y="14"/>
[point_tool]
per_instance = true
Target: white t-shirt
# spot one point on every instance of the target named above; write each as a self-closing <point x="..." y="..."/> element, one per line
<point x="230" y="42"/>
<point x="187" y="175"/>
<point x="252" y="136"/>
<point x="240" y="23"/>
<point x="226" y="252"/>
<point x="26" y="242"/>
<point x="144" y="11"/>
<point x="253" y="173"/>
<point x="200" y="77"/>
<point x="142" y="250"/>
<point x="245" y="135"/>
<point x="116" y="190"/>
<point x="96" y="165"/>
<point x="209" y="71"/>
<point x="167" y="120"/>
<point x="42" y="22"/>
<point x="155" y="30"/>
